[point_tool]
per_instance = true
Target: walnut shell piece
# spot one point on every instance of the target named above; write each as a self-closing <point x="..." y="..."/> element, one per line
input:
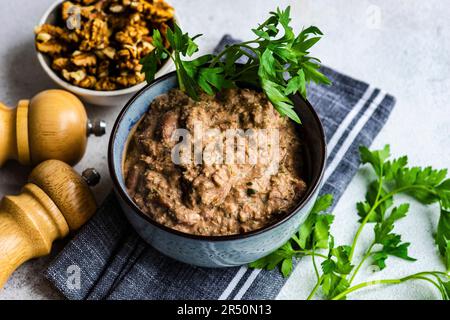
<point x="95" y="35"/>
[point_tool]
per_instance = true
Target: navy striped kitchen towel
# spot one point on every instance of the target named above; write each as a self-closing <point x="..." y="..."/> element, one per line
<point x="114" y="263"/>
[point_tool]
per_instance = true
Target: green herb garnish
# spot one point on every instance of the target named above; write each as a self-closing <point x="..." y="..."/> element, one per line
<point x="338" y="271"/>
<point x="313" y="234"/>
<point x="278" y="62"/>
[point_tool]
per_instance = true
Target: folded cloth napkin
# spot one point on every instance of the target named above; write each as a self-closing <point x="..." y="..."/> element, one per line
<point x="114" y="263"/>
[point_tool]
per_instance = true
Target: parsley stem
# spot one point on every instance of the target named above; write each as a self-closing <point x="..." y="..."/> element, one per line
<point x="180" y="81"/>
<point x="314" y="290"/>
<point x="365" y="284"/>
<point x="177" y="61"/>
<point x="311" y="253"/>
<point x="319" y="277"/>
<point x="368" y="253"/>
<point x="248" y="54"/>
<point x="366" y="218"/>
<point x="236" y="76"/>
<point x="416" y="276"/>
<point x="406" y="188"/>
<point x="306" y="252"/>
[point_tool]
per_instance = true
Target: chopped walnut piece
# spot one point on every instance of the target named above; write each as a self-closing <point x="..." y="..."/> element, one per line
<point x="43" y="37"/>
<point x="88" y="82"/>
<point x="60" y="63"/>
<point x="67" y="10"/>
<point x="51" y="47"/>
<point x="105" y="84"/>
<point x="82" y="59"/>
<point x="75" y="76"/>
<point x="144" y="48"/>
<point x="98" y="44"/>
<point x="117" y="22"/>
<point x="116" y="8"/>
<point x="110" y="52"/>
<point x="70" y="10"/>
<point x="95" y="35"/>
<point x="136" y="18"/>
<point x="161" y="11"/>
<point x="128" y="52"/>
<point x="128" y="80"/>
<point x="86" y="2"/>
<point x="156" y="10"/>
<point x="49" y="29"/>
<point x="131" y="34"/>
<point x="103" y="69"/>
<point x="132" y="65"/>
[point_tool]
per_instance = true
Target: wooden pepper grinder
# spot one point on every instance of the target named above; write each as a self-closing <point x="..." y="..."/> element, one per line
<point x="55" y="200"/>
<point x="53" y="125"/>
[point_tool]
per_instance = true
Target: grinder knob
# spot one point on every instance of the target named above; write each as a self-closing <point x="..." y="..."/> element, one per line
<point x="55" y="200"/>
<point x="52" y="125"/>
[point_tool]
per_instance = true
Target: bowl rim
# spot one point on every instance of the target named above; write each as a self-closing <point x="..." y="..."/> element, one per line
<point x="82" y="91"/>
<point x="124" y="194"/>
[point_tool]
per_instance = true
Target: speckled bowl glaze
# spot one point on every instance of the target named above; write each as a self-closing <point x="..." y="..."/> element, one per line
<point x="214" y="251"/>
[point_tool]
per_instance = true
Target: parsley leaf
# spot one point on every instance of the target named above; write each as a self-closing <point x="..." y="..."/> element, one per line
<point x="391" y="168"/>
<point x="384" y="228"/>
<point x="335" y="268"/>
<point x="278" y="62"/>
<point x="393" y="246"/>
<point x="375" y="158"/>
<point x="270" y="262"/>
<point x="334" y="284"/>
<point x="315" y="231"/>
<point x="374" y="192"/>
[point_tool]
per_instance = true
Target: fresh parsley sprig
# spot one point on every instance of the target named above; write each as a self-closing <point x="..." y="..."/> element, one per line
<point x="338" y="271"/>
<point x="278" y="61"/>
<point x="427" y="185"/>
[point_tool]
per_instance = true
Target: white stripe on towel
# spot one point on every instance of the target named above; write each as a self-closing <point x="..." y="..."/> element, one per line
<point x="233" y="283"/>
<point x="348" y="119"/>
<point x="246" y="285"/>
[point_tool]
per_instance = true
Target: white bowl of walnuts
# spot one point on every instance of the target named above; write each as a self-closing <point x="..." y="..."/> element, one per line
<point x="93" y="47"/>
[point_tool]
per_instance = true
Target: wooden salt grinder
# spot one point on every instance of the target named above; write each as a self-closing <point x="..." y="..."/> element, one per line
<point x="55" y="200"/>
<point x="52" y="125"/>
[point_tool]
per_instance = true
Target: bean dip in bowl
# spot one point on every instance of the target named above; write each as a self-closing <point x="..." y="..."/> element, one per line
<point x="197" y="183"/>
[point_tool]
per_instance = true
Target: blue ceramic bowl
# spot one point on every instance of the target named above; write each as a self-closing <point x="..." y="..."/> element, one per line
<point x="214" y="251"/>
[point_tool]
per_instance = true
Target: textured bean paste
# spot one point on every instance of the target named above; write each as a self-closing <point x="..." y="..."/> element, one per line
<point x="218" y="198"/>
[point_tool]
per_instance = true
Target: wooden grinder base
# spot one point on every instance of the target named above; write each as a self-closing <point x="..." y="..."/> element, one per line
<point x="55" y="201"/>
